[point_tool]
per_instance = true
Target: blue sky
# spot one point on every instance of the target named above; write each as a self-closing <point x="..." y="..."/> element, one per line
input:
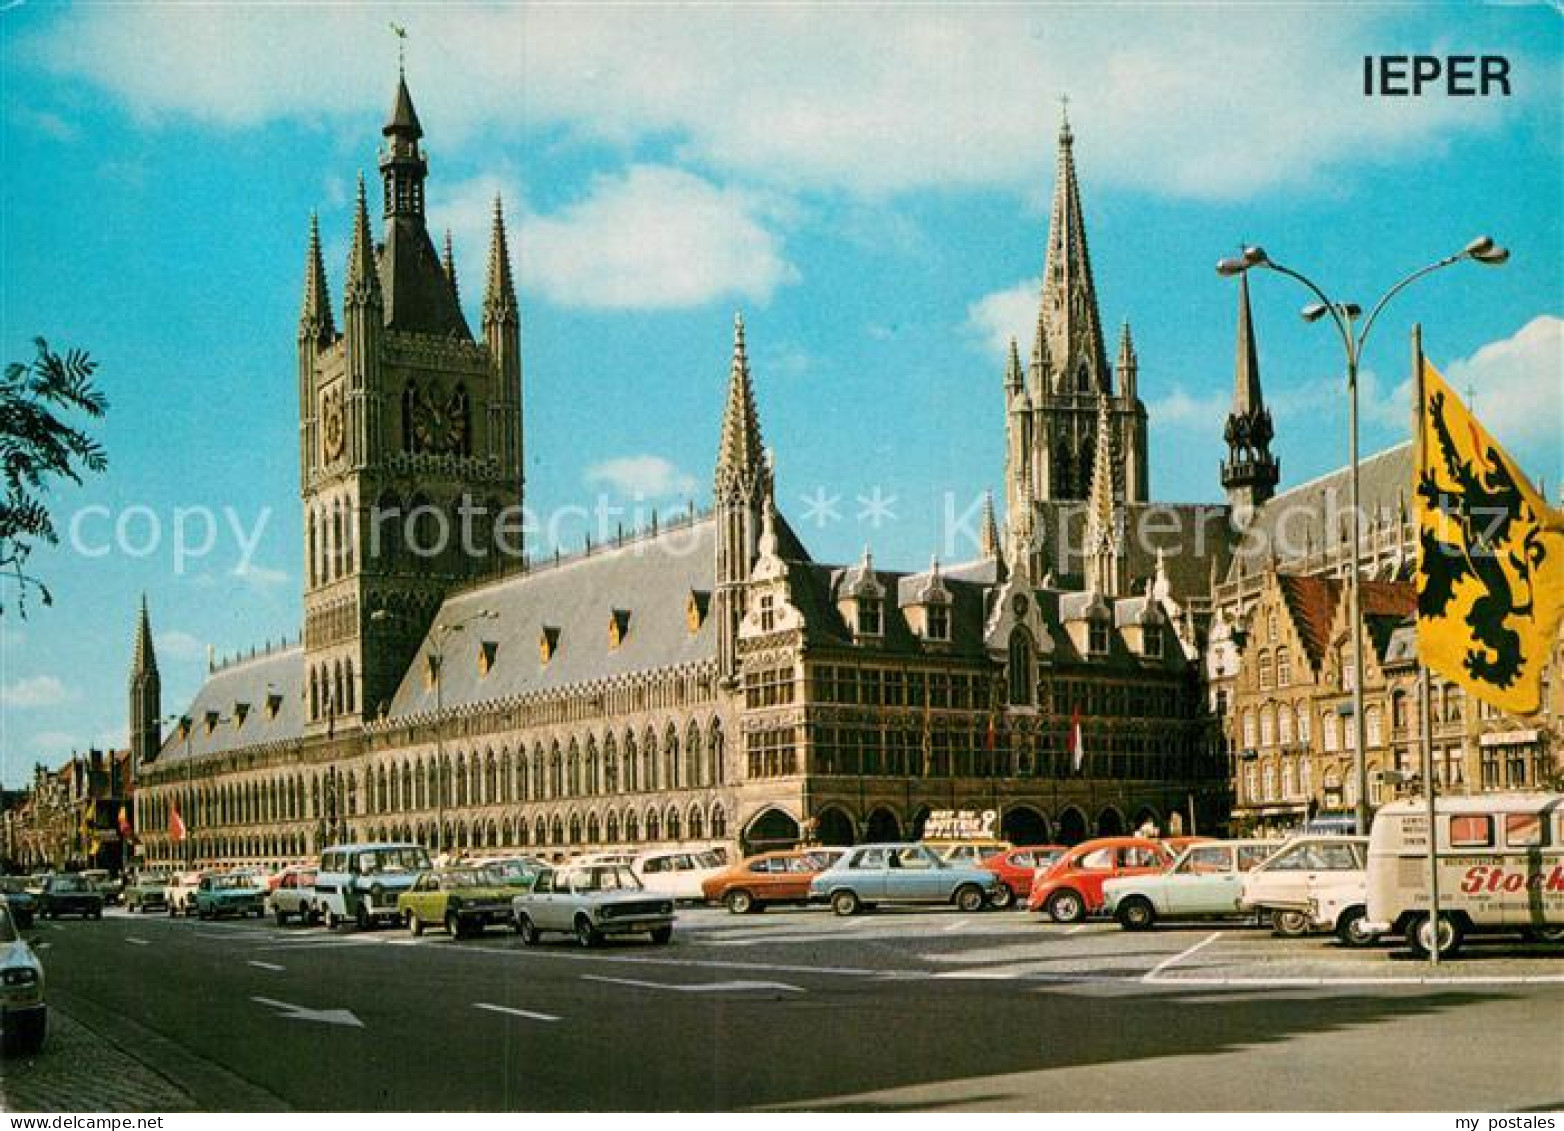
<point x="870" y="185"/>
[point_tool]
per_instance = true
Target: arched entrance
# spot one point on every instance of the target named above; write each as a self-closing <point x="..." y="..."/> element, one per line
<point x="834" y="827"/>
<point x="1071" y="826"/>
<point x="883" y="826"/>
<point x="1110" y="822"/>
<point x="770" y="829"/>
<point x="1023" y="825"/>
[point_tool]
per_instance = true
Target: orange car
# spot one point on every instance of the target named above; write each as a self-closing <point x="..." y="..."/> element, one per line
<point x="1072" y="888"/>
<point x="771" y="877"/>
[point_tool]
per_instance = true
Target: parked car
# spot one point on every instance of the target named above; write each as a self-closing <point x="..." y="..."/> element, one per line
<point x="1501" y="868"/>
<point x="110" y="887"/>
<point x="23" y="903"/>
<point x="901" y="873"/>
<point x="464" y="900"/>
<point x="67" y="893"/>
<point x="513" y="871"/>
<point x="1018" y="867"/>
<point x="148" y="892"/>
<point x="182" y="891"/>
<point x="675" y="872"/>
<point x="1072" y="888"/>
<point x="592" y="902"/>
<point x="293" y="897"/>
<point x="1205" y="881"/>
<point x="1314" y="883"/>
<point x="218" y="896"/>
<point x="36" y="881"/>
<point x="973" y="851"/>
<point x="1332" y="822"/>
<point x="361" y="882"/>
<point x="772" y="877"/>
<point x="24" y="1017"/>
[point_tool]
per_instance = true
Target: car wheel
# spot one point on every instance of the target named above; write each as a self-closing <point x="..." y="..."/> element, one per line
<point x="453" y="925"/>
<point x="281" y="916"/>
<point x="845" y="903"/>
<point x="414" y="925"/>
<point x="171" y="911"/>
<point x="1422" y="936"/>
<point x="1350" y="929"/>
<point x="1137" y="915"/>
<point x="98" y="914"/>
<point x="1066" y="906"/>
<point x="740" y="902"/>
<point x="586" y="934"/>
<point x="361" y="918"/>
<point x="969" y="898"/>
<point x="332" y="920"/>
<point x="529" y="933"/>
<point x="1290" y="924"/>
<point x="1004" y="897"/>
<point x="662" y="936"/>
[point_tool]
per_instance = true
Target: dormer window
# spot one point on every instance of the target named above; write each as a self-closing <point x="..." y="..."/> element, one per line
<point x="431" y="669"/>
<point x="241" y="711"/>
<point x="488" y="650"/>
<point x="273" y="705"/>
<point x="695" y="609"/>
<point x="212" y="718"/>
<point x="1097" y="638"/>
<point x="871" y="617"/>
<point x="548" y="643"/>
<point x="939" y="622"/>
<point x="618" y="627"/>
<point x="768" y="613"/>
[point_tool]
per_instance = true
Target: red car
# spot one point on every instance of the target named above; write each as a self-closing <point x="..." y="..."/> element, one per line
<point x="1072" y="888"/>
<point x="1016" y="868"/>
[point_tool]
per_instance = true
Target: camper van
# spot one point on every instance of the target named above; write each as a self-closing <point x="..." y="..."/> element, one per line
<point x="1501" y="868"/>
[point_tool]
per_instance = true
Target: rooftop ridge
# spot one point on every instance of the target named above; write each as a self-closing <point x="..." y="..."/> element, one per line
<point x="241" y="658"/>
<point x="1342" y="472"/>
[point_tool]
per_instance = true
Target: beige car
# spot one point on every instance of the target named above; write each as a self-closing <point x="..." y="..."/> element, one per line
<point x="182" y="891"/>
<point x="1314" y="883"/>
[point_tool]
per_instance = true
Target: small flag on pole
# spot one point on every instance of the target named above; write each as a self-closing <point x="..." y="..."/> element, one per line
<point x="176" y="825"/>
<point x="1073" y="742"/>
<point x="125" y="831"/>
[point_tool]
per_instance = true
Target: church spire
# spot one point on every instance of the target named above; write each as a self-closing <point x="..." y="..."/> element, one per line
<point x="1069" y="298"/>
<point x="144" y="660"/>
<point x="499" y="296"/>
<point x="363" y="280"/>
<point x="315" y="323"/>
<point x="146" y="694"/>
<point x="1128" y="365"/>
<point x="1250" y="472"/>
<point x="1013" y="369"/>
<point x="1104" y="520"/>
<point x="988" y="529"/>
<point x="402" y="164"/>
<point x="740" y="453"/>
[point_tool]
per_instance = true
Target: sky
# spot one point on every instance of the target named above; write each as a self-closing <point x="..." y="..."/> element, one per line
<point x="868" y="184"/>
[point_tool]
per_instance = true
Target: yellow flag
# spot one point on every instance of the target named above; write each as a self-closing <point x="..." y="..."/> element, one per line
<point x="1490" y="563"/>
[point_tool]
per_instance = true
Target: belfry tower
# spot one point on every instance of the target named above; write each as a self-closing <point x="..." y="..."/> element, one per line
<point x="409" y="437"/>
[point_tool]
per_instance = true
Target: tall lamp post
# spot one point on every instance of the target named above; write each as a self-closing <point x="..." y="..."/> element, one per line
<point x="439" y="637"/>
<point x="1345" y="317"/>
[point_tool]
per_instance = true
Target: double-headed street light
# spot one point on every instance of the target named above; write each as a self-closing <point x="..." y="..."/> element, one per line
<point x="1345" y="317"/>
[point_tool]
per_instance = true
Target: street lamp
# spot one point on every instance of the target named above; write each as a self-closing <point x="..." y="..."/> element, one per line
<point x="1345" y="316"/>
<point x="439" y="636"/>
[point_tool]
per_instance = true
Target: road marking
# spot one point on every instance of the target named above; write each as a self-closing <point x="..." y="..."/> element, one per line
<point x="136" y="942"/>
<point x="1151" y="975"/>
<point x="1279" y="981"/>
<point x="303" y="1013"/>
<point x="957" y="925"/>
<point x="696" y="987"/>
<point x="1078" y="929"/>
<point x="514" y="1012"/>
<point x="266" y="965"/>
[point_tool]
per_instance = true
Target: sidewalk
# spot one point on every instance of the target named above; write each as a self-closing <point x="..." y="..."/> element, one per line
<point x="79" y="1071"/>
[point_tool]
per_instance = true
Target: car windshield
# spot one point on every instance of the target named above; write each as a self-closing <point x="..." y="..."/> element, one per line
<point x="68" y="883"/>
<point x="513" y="871"/>
<point x="411" y="859"/>
<point x="230" y="883"/>
<point x="606" y="877"/>
<point x="708" y="859"/>
<point x="466" y="878"/>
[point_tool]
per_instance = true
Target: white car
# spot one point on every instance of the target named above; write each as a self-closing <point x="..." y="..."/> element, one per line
<point x="1314" y="883"/>
<point x="23" y="1014"/>
<point x="676" y="872"/>
<point x="181" y="892"/>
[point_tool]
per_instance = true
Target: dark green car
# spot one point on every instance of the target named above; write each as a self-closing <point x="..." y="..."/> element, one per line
<point x="462" y="900"/>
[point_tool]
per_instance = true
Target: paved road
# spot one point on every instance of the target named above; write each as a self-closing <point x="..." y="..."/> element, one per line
<point x="795" y="1008"/>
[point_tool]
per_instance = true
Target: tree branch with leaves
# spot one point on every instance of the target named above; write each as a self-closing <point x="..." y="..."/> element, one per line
<point x="39" y="446"/>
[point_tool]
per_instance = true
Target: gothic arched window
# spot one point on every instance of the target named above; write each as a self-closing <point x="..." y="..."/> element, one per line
<point x="1020" y="669"/>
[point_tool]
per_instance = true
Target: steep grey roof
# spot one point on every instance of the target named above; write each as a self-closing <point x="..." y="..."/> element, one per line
<point x="813" y="587"/>
<point x="1309" y="517"/>
<point x="1191" y="537"/>
<point x="650" y="579"/>
<point x="1402" y="647"/>
<point x="249" y="681"/>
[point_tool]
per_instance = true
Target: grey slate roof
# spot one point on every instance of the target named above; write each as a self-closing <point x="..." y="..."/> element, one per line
<point x="650" y="578"/>
<point x="1301" y="514"/>
<point x="1190" y="535"/>
<point x="247" y="681"/>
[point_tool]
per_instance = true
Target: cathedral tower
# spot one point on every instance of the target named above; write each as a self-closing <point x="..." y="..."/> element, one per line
<point x="1250" y="472"/>
<point x="409" y="438"/>
<point x="742" y="490"/>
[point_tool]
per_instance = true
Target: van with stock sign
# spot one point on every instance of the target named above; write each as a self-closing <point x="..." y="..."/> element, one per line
<point x="1501" y="869"/>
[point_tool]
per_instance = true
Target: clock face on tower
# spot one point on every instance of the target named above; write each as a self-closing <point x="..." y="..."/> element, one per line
<point x="440" y="424"/>
<point x="333" y="427"/>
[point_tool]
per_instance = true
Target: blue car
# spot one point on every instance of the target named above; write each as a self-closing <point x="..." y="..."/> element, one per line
<point x="901" y="873"/>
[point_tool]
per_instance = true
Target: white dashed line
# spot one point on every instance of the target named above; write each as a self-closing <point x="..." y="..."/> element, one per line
<point x="957" y="925"/>
<point x="527" y="1013"/>
<point x="694" y="987"/>
<point x="137" y="942"/>
<point x="1078" y="929"/>
<point x="1151" y="975"/>
<point x="265" y="965"/>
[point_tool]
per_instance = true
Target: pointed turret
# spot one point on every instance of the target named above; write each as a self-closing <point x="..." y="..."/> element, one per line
<point x="362" y="288"/>
<point x="1041" y="372"/>
<point x="499" y="295"/>
<point x="1069" y="299"/>
<point x="1104" y="519"/>
<point x="1127" y="366"/>
<point x="988" y="529"/>
<point x="740" y="454"/>
<point x="403" y="122"/>
<point x="146" y="694"/>
<point x="1013" y="369"/>
<point x="742" y="490"/>
<point x="1251" y="472"/>
<point x="448" y="265"/>
<point x="315" y="322"/>
<point x="502" y="334"/>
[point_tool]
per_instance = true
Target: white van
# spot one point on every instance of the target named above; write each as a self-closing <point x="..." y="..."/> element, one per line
<point x="1501" y="868"/>
<point x="679" y="873"/>
<point x="359" y="883"/>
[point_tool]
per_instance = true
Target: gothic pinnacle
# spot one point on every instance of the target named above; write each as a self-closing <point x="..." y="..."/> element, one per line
<point x="363" y="281"/>
<point x="499" y="298"/>
<point x="448" y="262"/>
<point x="741" y="449"/>
<point x="315" y="319"/>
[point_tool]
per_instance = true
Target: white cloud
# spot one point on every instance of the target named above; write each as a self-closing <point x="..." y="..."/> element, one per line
<point x="1204" y="102"/>
<point x="1516" y="385"/>
<point x="653" y="238"/>
<point x="178" y="645"/>
<point x="34" y="691"/>
<point x="1011" y="313"/>
<point x="643" y="476"/>
<point x="1183" y="409"/>
<point x="261" y="577"/>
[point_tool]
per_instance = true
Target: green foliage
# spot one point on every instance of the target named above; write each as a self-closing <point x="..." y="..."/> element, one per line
<point x="39" y="446"/>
